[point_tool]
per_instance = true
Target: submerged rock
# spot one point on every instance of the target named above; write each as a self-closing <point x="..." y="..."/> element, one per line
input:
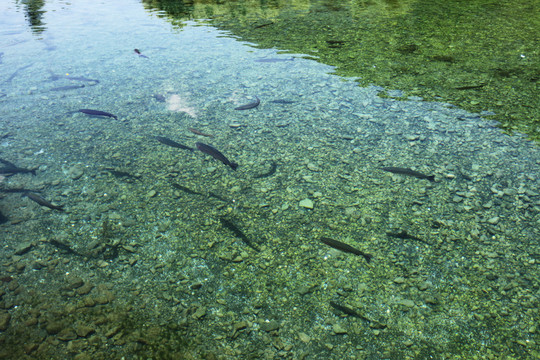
<point x="306" y="203"/>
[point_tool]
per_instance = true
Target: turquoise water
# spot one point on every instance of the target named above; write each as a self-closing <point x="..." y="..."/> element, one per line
<point x="151" y="268"/>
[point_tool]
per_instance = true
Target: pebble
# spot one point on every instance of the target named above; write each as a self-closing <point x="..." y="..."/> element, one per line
<point x="494" y="220"/>
<point x="151" y="193"/>
<point x="53" y="328"/>
<point x="338" y="329"/>
<point x="67" y="334"/>
<point x="200" y="312"/>
<point x="304" y="337"/>
<point x="313" y="167"/>
<point x="5" y="318"/>
<point x="306" y="203"/>
<point x="84" y="331"/>
<point x="423" y="286"/>
<point x="406" y="302"/>
<point x="270" y="325"/>
<point x="75" y="172"/>
<point x="75" y="282"/>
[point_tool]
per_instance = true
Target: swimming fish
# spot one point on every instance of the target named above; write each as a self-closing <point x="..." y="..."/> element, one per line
<point x="172" y="143"/>
<point x="138" y="52"/>
<point x="345" y="248"/>
<point x="250" y="105"/>
<point x="197" y="132"/>
<point x="41" y="201"/>
<point x="97" y="113"/>
<point x="216" y="154"/>
<point x="68" y="87"/>
<point x="237" y="232"/>
<point x="409" y="172"/>
<point x="11" y="169"/>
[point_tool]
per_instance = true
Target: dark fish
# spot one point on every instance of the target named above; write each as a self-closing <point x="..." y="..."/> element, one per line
<point x="272" y="60"/>
<point x="68" y="87"/>
<point x="41" y="201"/>
<point x="470" y="87"/>
<point x="20" y="191"/>
<point x="185" y="189"/>
<point x="8" y="170"/>
<point x="97" y="113"/>
<point x="159" y="97"/>
<point x="197" y="132"/>
<point x="169" y="142"/>
<point x="120" y="174"/>
<point x="60" y="245"/>
<point x="138" y="52"/>
<point x="11" y="168"/>
<point x="9" y="79"/>
<point x="216" y="196"/>
<point x="282" y="101"/>
<point x="268" y="173"/>
<point x="345" y="248"/>
<point x="409" y="172"/>
<point x="347" y="310"/>
<point x="402" y="234"/>
<point x="250" y="105"/>
<point x="237" y="232"/>
<point x="210" y="150"/>
<point x="55" y="77"/>
<point x="263" y="25"/>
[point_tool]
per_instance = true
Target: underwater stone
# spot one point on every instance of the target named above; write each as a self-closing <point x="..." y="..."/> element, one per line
<point x="5" y="318"/>
<point x="270" y="325"/>
<point x="306" y="203"/>
<point x="338" y="329"/>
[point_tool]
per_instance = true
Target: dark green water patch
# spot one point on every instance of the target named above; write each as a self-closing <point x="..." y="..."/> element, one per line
<point x="479" y="55"/>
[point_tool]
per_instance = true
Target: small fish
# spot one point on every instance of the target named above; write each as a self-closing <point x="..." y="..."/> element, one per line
<point x="345" y="248"/>
<point x="263" y="25"/>
<point x="197" y="132"/>
<point x="11" y="169"/>
<point x="16" y="73"/>
<point x="68" y="87"/>
<point x="216" y="154"/>
<point x="250" y="105"/>
<point x="282" y="101"/>
<point x="120" y="174"/>
<point x="185" y="189"/>
<point x="97" y="113"/>
<point x="409" y="172"/>
<point x="237" y="232"/>
<point x="347" y="310"/>
<point x="41" y="201"/>
<point x="55" y="77"/>
<point x="60" y="245"/>
<point x="138" y="52"/>
<point x="402" y="234"/>
<point x="159" y="97"/>
<point x="216" y="196"/>
<point x="469" y="87"/>
<point x="171" y="143"/>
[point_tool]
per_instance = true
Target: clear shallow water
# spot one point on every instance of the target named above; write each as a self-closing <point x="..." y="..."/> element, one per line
<point x="162" y="268"/>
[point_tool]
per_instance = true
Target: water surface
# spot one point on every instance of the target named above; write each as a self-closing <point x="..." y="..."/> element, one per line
<point x="144" y="263"/>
